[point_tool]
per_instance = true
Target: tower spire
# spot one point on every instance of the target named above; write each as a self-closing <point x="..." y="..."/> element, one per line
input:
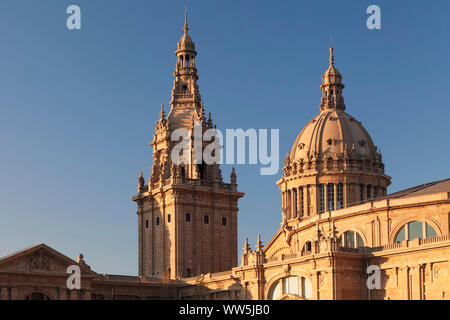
<point x="331" y="56"/>
<point x="186" y="28"/>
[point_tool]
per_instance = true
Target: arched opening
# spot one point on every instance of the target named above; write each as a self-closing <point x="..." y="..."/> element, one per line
<point x="351" y="239"/>
<point x="307" y="248"/>
<point x="292" y="286"/>
<point x="37" y="296"/>
<point x="415" y="229"/>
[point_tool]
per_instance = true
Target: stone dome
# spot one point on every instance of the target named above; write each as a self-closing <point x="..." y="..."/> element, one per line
<point x="333" y="133"/>
<point x="333" y="163"/>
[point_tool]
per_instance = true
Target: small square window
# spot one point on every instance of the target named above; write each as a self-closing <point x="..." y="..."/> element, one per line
<point x="188" y="217"/>
<point x="206" y="219"/>
<point x="224" y="221"/>
<point x="157" y="221"/>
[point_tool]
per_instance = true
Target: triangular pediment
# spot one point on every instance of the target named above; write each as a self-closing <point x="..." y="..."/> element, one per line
<point x="40" y="258"/>
<point x="277" y="245"/>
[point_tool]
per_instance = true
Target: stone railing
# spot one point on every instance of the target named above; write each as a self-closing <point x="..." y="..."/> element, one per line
<point x="350" y="250"/>
<point x="195" y="182"/>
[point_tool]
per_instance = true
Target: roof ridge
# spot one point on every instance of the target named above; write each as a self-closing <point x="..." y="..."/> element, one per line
<point x="419" y="187"/>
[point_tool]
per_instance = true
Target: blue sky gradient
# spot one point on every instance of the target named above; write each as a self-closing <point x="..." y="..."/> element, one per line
<point x="78" y="108"/>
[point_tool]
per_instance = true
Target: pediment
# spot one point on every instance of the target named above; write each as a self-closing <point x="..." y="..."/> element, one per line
<point x="277" y="246"/>
<point x="40" y="259"/>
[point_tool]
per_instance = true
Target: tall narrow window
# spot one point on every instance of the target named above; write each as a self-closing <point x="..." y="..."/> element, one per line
<point x="224" y="221"/>
<point x="369" y="196"/>
<point x="375" y="192"/>
<point x="188" y="217"/>
<point x="330" y="197"/>
<point x="157" y="221"/>
<point x="168" y="218"/>
<point x="146" y="224"/>
<point x="188" y="272"/>
<point x="321" y="198"/>
<point x="361" y="192"/>
<point x="340" y="196"/>
<point x="206" y="219"/>
<point x="295" y="203"/>
<point x="302" y="207"/>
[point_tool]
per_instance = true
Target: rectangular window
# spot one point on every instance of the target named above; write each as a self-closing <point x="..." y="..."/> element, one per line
<point x="206" y="219"/>
<point x="188" y="217"/>
<point x="188" y="272"/>
<point x="321" y="198"/>
<point x="146" y="224"/>
<point x="375" y="192"/>
<point x="330" y="196"/>
<point x="168" y="218"/>
<point x="340" y="196"/>
<point x="295" y="203"/>
<point x="224" y="221"/>
<point x="302" y="207"/>
<point x="157" y="221"/>
<point x="361" y="192"/>
<point x="368" y="192"/>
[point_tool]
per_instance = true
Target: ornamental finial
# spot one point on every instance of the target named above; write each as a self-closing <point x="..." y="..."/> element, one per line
<point x="162" y="113"/>
<point x="186" y="28"/>
<point x="331" y="57"/>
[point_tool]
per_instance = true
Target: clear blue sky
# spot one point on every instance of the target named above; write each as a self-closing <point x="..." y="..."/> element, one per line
<point x="78" y="108"/>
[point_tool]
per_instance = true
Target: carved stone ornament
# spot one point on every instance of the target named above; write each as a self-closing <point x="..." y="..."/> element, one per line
<point x="39" y="262"/>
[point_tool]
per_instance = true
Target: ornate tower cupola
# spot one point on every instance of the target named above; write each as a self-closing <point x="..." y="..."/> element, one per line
<point x="332" y="87"/>
<point x="185" y="89"/>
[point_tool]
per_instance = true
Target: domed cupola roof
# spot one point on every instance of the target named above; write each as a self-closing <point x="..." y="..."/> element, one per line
<point x="333" y="133"/>
<point x="186" y="43"/>
<point x="332" y="75"/>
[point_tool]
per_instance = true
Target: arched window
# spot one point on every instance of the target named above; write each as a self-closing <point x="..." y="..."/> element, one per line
<point x="351" y="239"/>
<point x="307" y="248"/>
<point x="415" y="229"/>
<point x="275" y="293"/>
<point x="297" y="286"/>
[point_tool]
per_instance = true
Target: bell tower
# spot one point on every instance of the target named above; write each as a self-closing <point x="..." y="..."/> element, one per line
<point x="187" y="214"/>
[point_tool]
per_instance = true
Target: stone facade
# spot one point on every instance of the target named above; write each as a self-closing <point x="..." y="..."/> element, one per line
<point x="337" y="221"/>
